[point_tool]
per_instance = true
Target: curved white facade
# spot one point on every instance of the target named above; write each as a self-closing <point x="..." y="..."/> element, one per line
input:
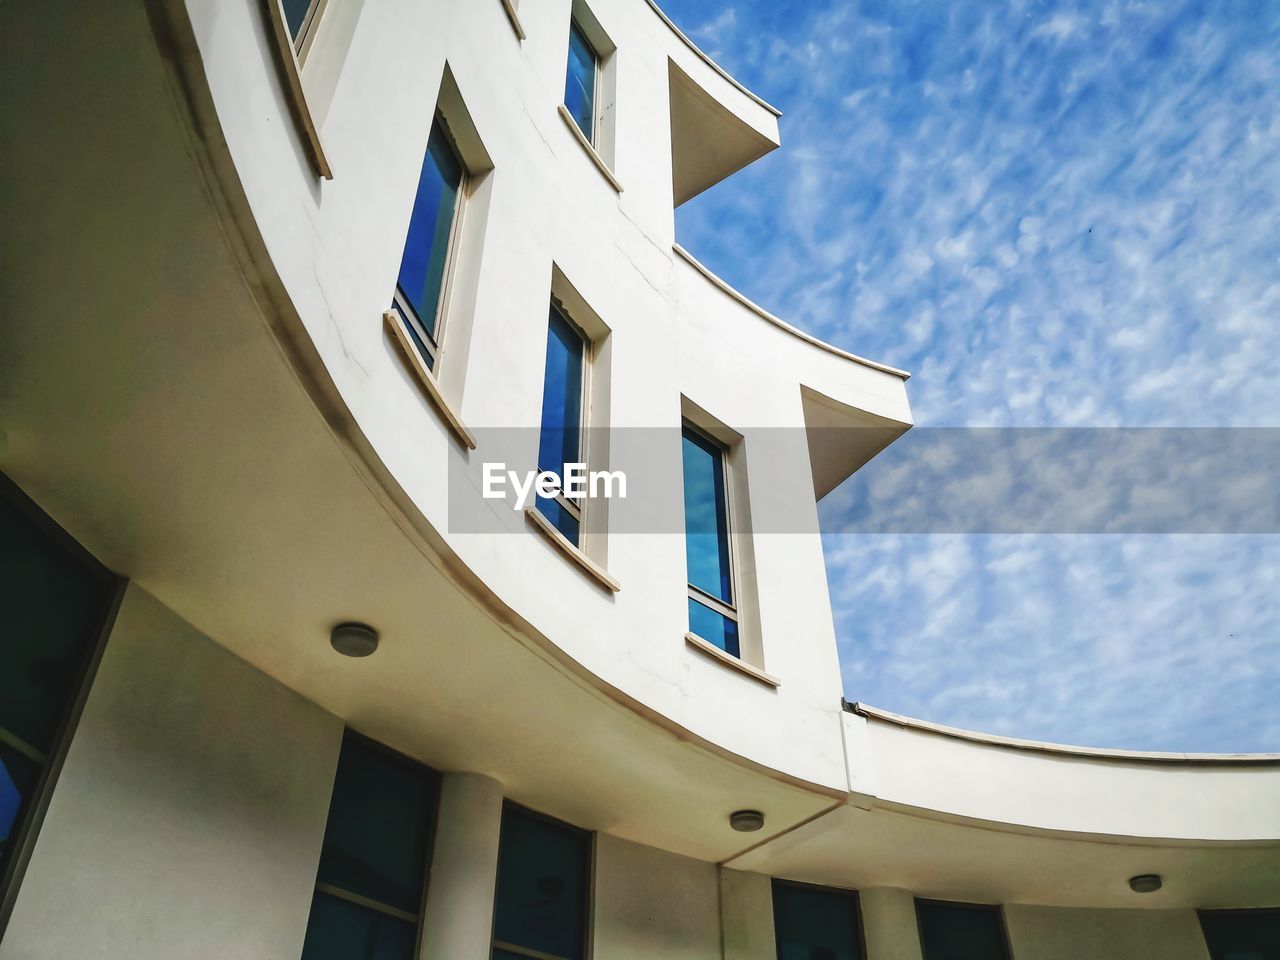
<point x="219" y="413"/>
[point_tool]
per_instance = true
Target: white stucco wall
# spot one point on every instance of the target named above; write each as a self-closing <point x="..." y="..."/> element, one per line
<point x="188" y="817"/>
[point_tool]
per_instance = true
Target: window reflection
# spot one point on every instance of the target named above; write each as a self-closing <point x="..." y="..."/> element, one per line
<point x="420" y="284"/>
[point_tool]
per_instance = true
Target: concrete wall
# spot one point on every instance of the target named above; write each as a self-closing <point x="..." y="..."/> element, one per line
<point x="188" y="818"/>
<point x="653" y="904"/>
<point x="1049" y="933"/>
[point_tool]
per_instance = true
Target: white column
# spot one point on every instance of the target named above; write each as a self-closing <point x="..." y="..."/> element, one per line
<point x="889" y="924"/>
<point x="746" y="915"/>
<point x="464" y="869"/>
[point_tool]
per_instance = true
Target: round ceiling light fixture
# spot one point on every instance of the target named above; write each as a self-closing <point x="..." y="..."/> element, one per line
<point x="1145" y="883"/>
<point x="746" y="821"/>
<point x="354" y="639"/>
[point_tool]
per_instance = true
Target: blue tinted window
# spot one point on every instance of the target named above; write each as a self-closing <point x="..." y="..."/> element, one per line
<point x="560" y="441"/>
<point x="375" y="851"/>
<point x="580" y="84"/>
<point x="714" y="627"/>
<point x="957" y="931"/>
<point x="426" y="249"/>
<point x="1242" y="934"/>
<point x="54" y="602"/>
<point x="814" y="924"/>
<point x="18" y="775"/>
<point x="541" y="901"/>
<point x="706" y="521"/>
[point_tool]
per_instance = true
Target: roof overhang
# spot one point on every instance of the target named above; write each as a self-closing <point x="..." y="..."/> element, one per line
<point x="842" y="438"/>
<point x="709" y="141"/>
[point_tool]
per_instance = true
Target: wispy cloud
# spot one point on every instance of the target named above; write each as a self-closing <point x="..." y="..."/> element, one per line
<point x="1059" y="214"/>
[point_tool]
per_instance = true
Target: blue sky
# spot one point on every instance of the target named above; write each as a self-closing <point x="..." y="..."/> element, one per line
<point x="1053" y="214"/>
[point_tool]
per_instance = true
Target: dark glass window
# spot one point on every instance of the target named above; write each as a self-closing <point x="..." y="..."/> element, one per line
<point x="541" y="905"/>
<point x="812" y="923"/>
<point x="373" y="865"/>
<point x="55" y="601"/>
<point x="1242" y="934"/>
<point x="560" y="441"/>
<point x="712" y="611"/>
<point x="426" y="249"/>
<point x="298" y="14"/>
<point x="961" y="931"/>
<point x="580" y="83"/>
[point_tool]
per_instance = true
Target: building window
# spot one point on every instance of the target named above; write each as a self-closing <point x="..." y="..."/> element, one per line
<point x="56" y="601"/>
<point x="302" y="17"/>
<point x="816" y="923"/>
<point x="544" y="870"/>
<point x="961" y="931"/>
<point x="563" y="418"/>
<point x="581" y="82"/>
<point x="424" y="268"/>
<point x="373" y="864"/>
<point x="1242" y="934"/>
<point x="713" y="612"/>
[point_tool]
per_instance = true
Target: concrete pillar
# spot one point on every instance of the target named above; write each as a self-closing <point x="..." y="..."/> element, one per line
<point x="746" y="915"/>
<point x="889" y="924"/>
<point x="464" y="869"/>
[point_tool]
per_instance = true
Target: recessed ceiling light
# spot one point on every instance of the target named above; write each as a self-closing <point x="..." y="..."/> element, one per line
<point x="354" y="639"/>
<point x="746" y="821"/>
<point x="1145" y="883"/>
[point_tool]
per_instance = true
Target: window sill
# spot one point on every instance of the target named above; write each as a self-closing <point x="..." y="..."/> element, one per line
<point x="516" y="25"/>
<point x="589" y="566"/>
<point x="291" y="75"/>
<point x="729" y="660"/>
<point x="432" y="389"/>
<point x="583" y="142"/>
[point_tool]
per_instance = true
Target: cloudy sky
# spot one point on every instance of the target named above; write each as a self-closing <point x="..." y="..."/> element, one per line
<point x="1053" y="214"/>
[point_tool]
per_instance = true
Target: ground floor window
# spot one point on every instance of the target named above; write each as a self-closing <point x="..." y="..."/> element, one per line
<point x="1242" y="934"/>
<point x="371" y="883"/>
<point x="816" y="923"/>
<point x="544" y="871"/>
<point x="961" y="931"/>
<point x="56" y="600"/>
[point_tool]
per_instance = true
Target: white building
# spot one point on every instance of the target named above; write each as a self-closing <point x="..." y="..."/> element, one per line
<point x="252" y="359"/>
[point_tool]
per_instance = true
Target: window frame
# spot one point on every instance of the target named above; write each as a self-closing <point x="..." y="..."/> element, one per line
<point x="434" y="345"/>
<point x="996" y="908"/>
<point x="27" y="828"/>
<point x="577" y="509"/>
<point x="306" y="37"/>
<point x="589" y="887"/>
<point x="697" y="594"/>
<point x="597" y="65"/>
<point x="844" y="891"/>
<point x="367" y="742"/>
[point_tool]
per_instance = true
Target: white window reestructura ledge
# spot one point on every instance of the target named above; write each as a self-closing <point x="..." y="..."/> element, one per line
<point x="291" y="76"/>
<point x="729" y="660"/>
<point x="510" y="7"/>
<point x="558" y="540"/>
<point x="396" y="325"/>
<point x="595" y="157"/>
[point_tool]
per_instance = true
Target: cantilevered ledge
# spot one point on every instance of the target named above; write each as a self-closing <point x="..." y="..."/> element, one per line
<point x="583" y="142"/>
<point x="558" y="540"/>
<point x="1038" y="746"/>
<point x="729" y="660"/>
<point x="395" y="323"/>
